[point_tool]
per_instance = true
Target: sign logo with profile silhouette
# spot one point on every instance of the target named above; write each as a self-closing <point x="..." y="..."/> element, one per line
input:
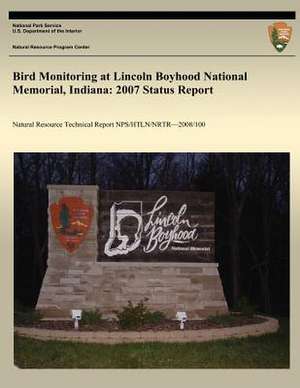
<point x="120" y="242"/>
<point x="157" y="229"/>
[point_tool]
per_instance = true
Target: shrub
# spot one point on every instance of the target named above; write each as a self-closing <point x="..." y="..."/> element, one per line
<point x="91" y="317"/>
<point x="245" y="307"/>
<point x="26" y="316"/>
<point x="134" y="316"/>
<point x="154" y="317"/>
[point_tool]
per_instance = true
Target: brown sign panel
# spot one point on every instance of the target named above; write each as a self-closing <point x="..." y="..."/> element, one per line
<point x="156" y="226"/>
<point x="71" y="220"/>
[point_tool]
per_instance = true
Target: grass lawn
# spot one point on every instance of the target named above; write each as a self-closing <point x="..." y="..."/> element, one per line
<point x="267" y="351"/>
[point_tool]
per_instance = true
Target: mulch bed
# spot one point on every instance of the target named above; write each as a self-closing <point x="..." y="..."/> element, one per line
<point x="166" y="325"/>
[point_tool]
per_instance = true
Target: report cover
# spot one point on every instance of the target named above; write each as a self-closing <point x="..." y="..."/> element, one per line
<point x="150" y="172"/>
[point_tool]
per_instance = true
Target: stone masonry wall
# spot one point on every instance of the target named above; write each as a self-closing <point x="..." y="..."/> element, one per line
<point x="77" y="280"/>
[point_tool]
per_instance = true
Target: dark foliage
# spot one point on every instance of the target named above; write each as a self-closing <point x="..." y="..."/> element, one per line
<point x="91" y="317"/>
<point x="245" y="307"/>
<point x="25" y="316"/>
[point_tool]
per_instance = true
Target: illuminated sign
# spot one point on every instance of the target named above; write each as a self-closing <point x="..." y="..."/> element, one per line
<point x="156" y="226"/>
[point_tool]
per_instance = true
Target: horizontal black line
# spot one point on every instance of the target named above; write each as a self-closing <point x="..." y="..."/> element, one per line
<point x="152" y="15"/>
<point x="155" y="55"/>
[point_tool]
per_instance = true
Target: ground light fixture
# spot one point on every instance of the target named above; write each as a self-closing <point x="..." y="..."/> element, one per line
<point x="181" y="316"/>
<point x="76" y="316"/>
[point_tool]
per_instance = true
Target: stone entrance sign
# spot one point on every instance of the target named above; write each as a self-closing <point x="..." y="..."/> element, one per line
<point x="108" y="247"/>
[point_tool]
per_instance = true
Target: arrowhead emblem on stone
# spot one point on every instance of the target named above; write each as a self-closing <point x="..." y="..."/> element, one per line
<point x="71" y="220"/>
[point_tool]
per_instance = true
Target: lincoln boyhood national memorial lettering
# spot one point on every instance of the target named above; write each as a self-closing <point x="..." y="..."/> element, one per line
<point x="156" y="226"/>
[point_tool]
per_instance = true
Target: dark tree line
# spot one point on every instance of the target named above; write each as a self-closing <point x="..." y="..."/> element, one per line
<point x="252" y="211"/>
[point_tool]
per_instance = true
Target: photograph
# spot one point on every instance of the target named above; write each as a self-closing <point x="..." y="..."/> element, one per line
<point x="152" y="260"/>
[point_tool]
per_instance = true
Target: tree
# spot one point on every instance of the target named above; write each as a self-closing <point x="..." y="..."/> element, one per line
<point x="64" y="217"/>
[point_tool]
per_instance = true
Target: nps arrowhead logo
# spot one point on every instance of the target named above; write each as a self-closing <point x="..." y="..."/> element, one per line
<point x="280" y="35"/>
<point x="71" y="220"/>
